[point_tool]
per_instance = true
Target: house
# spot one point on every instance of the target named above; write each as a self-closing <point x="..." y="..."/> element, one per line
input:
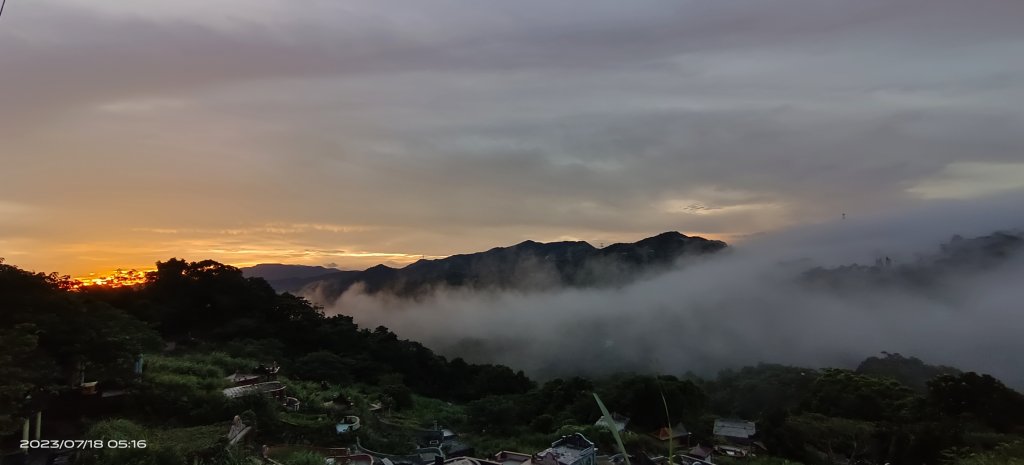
<point x="735" y="431"/>
<point x="732" y="451"/>
<point x="702" y="453"/>
<point x="619" y="421"/>
<point x="513" y="458"/>
<point x="574" y="449"/>
<point x="677" y="434"/>
<point x="468" y="461"/>
<point x="735" y="437"/>
<point x="698" y="455"/>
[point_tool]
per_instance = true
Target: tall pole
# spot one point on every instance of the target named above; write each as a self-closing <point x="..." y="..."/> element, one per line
<point x="24" y="434"/>
<point x="39" y="425"/>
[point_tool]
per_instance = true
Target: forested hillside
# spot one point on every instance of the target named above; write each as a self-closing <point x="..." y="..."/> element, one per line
<point x="528" y="265"/>
<point x="193" y="324"/>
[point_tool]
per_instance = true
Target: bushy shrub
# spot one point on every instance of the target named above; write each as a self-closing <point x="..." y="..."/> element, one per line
<point x="543" y="423"/>
<point x="226" y="363"/>
<point x="399" y="394"/>
<point x="304" y="458"/>
<point x="255" y="349"/>
<point x="117" y="430"/>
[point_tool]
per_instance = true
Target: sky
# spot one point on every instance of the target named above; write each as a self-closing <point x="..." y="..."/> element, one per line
<point x="362" y="132"/>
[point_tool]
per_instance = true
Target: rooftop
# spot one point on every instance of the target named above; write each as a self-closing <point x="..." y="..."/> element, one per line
<point x="469" y="461"/>
<point x="513" y="458"/>
<point x="569" y="449"/>
<point x="665" y="433"/>
<point x="259" y="388"/>
<point x="701" y="452"/>
<point x="734" y="428"/>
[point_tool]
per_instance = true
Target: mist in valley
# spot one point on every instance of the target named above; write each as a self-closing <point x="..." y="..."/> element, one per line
<point x="752" y="303"/>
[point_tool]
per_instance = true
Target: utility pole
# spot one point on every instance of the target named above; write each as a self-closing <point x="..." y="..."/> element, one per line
<point x="24" y="434"/>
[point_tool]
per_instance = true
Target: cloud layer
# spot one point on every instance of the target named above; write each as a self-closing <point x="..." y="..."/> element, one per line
<point x="443" y="126"/>
<point x="744" y="307"/>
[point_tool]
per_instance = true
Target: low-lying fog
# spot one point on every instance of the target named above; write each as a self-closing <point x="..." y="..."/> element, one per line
<point x="743" y="307"/>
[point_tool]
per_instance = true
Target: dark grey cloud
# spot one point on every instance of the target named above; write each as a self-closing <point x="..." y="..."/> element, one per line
<point x="500" y="121"/>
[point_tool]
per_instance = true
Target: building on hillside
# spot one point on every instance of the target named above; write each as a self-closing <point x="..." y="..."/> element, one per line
<point x="735" y="431"/>
<point x="702" y="453"/>
<point x="619" y="421"/>
<point x="735" y="437"/>
<point x="699" y="455"/>
<point x="513" y="458"/>
<point x="677" y="434"/>
<point x="468" y="461"/>
<point x="574" y="449"/>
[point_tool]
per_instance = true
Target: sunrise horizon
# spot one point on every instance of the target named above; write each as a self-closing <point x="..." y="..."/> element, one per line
<point x="96" y="267"/>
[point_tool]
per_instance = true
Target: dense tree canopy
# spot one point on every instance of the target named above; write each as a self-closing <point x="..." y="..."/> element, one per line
<point x="50" y="335"/>
<point x="842" y="393"/>
<point x="49" y="332"/>
<point x="981" y="397"/>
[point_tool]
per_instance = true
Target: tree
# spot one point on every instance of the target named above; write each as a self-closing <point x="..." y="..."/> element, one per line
<point x="20" y="374"/>
<point x="103" y="339"/>
<point x="322" y="366"/>
<point x="979" y="396"/>
<point x="400" y="395"/>
<point x="494" y="414"/>
<point x="751" y="391"/>
<point x="66" y="330"/>
<point x="842" y="393"/>
<point x="544" y="423"/>
<point x="641" y="396"/>
<point x="841" y="440"/>
<point x="910" y="371"/>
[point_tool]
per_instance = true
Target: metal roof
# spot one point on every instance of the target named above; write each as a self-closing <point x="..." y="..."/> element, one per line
<point x="735" y="428"/>
<point x="569" y="449"/>
<point x="259" y="388"/>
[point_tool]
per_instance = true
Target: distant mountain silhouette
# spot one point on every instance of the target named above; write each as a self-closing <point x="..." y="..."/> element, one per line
<point x="289" y="278"/>
<point x="528" y="265"/>
<point x="924" y="272"/>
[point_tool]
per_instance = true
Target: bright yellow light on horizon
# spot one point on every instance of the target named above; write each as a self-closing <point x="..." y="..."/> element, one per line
<point x="117" y="278"/>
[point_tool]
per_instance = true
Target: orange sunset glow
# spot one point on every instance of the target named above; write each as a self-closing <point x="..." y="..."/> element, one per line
<point x="201" y="136"/>
<point x="116" y="278"/>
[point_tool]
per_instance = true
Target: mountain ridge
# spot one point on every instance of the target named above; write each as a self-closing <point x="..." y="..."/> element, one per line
<point x="526" y="265"/>
<point x="926" y="271"/>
